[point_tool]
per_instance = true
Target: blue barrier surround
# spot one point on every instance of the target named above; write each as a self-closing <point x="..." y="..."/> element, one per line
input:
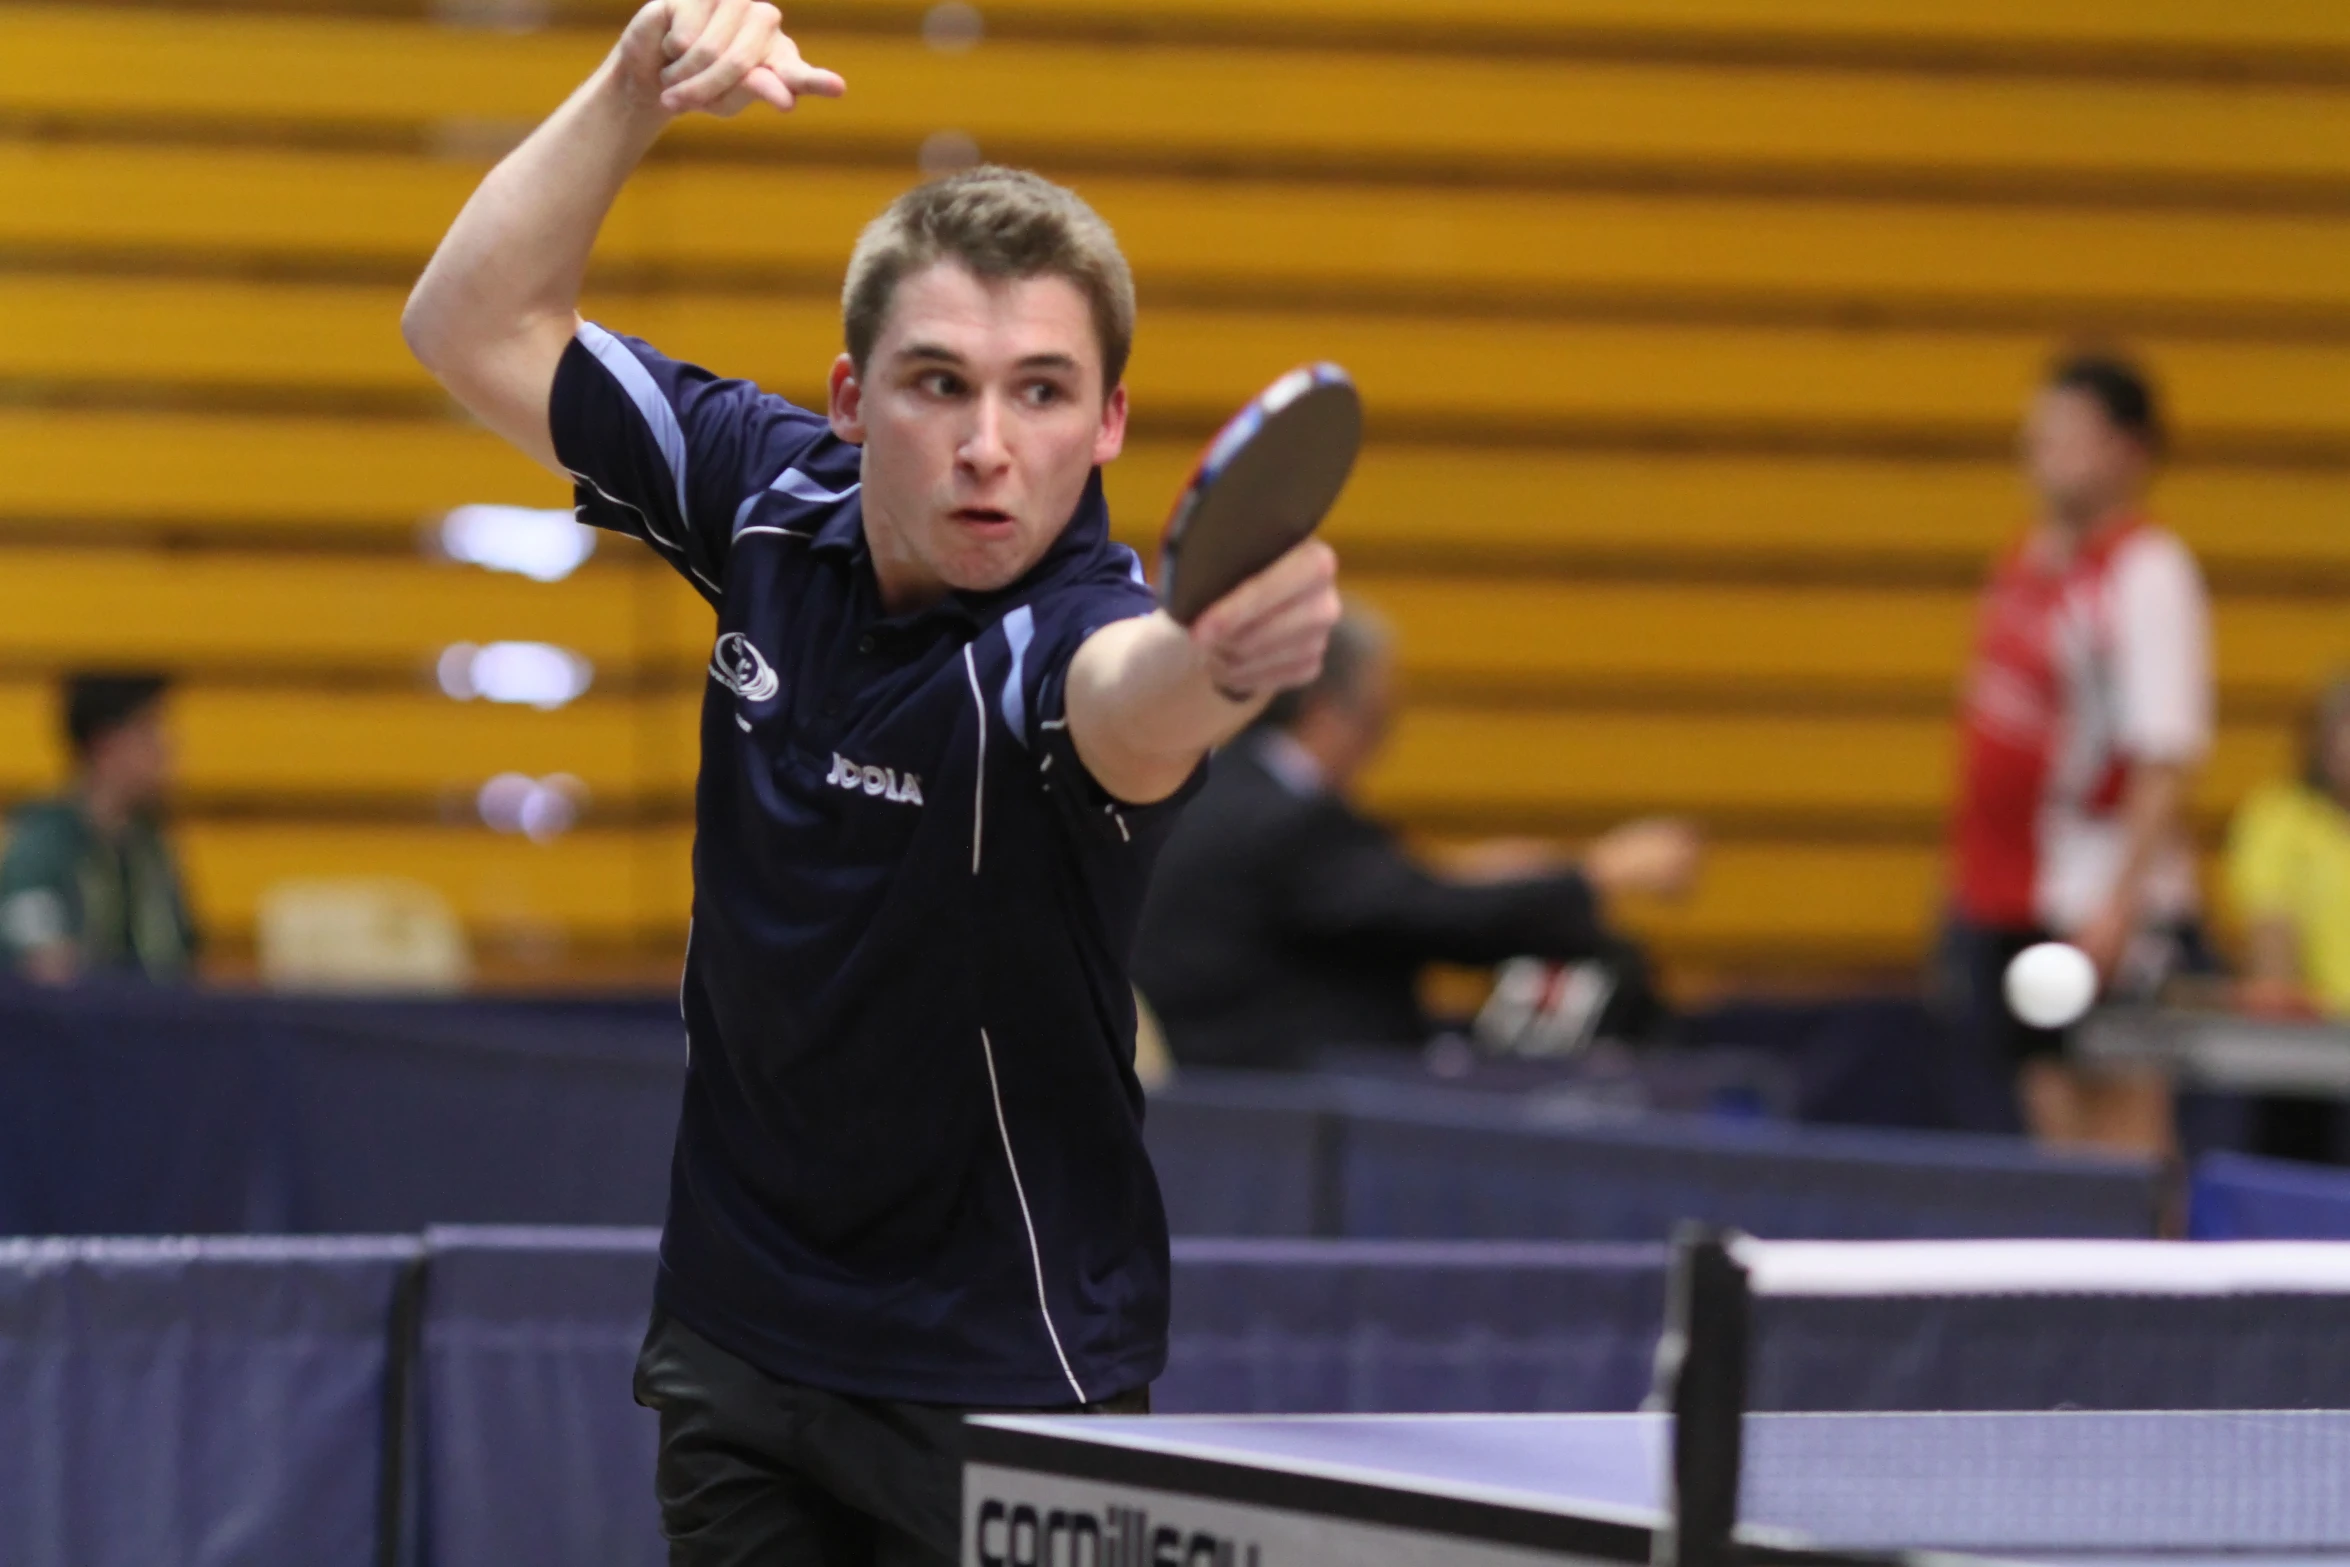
<point x="1333" y="1327"/>
<point x="1470" y="1171"/>
<point x="527" y="1332"/>
<point x="130" y="1110"/>
<point x="2238" y="1197"/>
<point x="1246" y="1154"/>
<point x="223" y="1401"/>
<point x="1375" y="1158"/>
<point x="204" y="1403"/>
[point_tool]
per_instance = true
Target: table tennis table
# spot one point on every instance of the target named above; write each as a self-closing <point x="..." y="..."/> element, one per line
<point x="2181" y="1489"/>
<point x="2220" y="1050"/>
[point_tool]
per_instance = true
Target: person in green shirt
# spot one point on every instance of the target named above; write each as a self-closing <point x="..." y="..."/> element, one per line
<point x="88" y="884"/>
<point x="2289" y="870"/>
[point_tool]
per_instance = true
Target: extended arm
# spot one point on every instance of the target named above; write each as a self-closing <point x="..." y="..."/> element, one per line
<point x="498" y="304"/>
<point x="1347" y="879"/>
<point x="1148" y="698"/>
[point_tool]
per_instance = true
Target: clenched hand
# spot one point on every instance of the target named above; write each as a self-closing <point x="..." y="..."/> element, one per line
<point x="718" y="57"/>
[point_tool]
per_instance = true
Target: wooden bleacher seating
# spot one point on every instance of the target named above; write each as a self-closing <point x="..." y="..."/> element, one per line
<point x="284" y="478"/>
<point x="1510" y="107"/>
<point x="387" y="207"/>
<point x="1425" y="375"/>
<point x="315" y="614"/>
<point x="1694" y="332"/>
<point x="1452" y="763"/>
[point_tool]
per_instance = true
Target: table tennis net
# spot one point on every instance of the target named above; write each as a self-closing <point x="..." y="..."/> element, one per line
<point x="2021" y="1474"/>
<point x="2023" y="1325"/>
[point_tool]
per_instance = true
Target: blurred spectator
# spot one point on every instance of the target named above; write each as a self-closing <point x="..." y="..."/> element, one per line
<point x="2087" y="707"/>
<point x="2289" y="870"/>
<point x="1282" y="920"/>
<point x="88" y="884"/>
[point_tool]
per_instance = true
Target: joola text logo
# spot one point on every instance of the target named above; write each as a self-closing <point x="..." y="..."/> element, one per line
<point x="742" y="668"/>
<point x="1022" y="1536"/>
<point x="886" y="782"/>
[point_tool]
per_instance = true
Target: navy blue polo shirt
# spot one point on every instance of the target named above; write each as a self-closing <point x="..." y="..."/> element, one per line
<point x="910" y="1160"/>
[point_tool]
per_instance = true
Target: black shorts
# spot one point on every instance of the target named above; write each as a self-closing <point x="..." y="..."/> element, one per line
<point x="1973" y="964"/>
<point x="759" y="1472"/>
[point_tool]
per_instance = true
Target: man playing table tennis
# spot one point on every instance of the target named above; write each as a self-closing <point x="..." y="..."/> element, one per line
<point x="943" y="735"/>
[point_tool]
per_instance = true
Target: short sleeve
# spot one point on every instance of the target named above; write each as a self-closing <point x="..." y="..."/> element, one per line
<point x="666" y="452"/>
<point x="1044" y="640"/>
<point x="2266" y="851"/>
<point x="2162" y="652"/>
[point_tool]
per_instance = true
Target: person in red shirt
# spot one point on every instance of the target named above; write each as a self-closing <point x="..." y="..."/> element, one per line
<point x="2086" y="709"/>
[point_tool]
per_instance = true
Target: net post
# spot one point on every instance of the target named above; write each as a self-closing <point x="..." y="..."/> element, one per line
<point x="1701" y="1382"/>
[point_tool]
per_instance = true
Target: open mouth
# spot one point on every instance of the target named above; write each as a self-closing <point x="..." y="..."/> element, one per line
<point x="982" y="517"/>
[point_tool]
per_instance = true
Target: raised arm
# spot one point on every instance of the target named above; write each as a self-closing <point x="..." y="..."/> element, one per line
<point x="499" y="301"/>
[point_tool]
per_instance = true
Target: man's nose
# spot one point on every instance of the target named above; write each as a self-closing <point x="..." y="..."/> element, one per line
<point x="983" y="446"/>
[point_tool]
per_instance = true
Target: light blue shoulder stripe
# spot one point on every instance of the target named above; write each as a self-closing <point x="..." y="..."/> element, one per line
<point x="1133" y="565"/>
<point x="742" y="513"/>
<point x="799" y="487"/>
<point x="1019" y="631"/>
<point x="638" y="383"/>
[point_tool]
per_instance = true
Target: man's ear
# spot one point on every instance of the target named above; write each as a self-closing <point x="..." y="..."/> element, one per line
<point x="847" y="402"/>
<point x="1110" y="439"/>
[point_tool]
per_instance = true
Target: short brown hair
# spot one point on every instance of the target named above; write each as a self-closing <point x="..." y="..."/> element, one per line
<point x="1000" y="223"/>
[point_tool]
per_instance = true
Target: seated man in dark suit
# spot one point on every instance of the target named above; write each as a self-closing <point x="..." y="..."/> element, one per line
<point x="1282" y="920"/>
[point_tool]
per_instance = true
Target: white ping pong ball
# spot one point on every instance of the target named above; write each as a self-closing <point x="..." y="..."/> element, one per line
<point x="2051" y="984"/>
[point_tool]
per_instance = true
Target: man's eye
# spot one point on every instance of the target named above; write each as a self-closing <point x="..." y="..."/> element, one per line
<point x="1042" y="393"/>
<point x="939" y="383"/>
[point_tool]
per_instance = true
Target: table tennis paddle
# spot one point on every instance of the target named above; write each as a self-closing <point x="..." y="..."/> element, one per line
<point x="1262" y="486"/>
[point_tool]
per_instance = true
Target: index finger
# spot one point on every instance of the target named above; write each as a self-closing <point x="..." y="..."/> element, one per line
<point x="797" y="75"/>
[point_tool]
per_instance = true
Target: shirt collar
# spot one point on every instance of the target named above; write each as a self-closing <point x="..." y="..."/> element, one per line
<point x="2052" y="557"/>
<point x="1084" y="536"/>
<point x="843" y="533"/>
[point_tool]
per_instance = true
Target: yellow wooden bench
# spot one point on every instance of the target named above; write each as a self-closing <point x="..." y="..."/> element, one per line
<point x="602" y="886"/>
<point x="1476" y="770"/>
<point x="1466" y="377"/>
<point x="1795" y="905"/>
<point x="1471" y="769"/>
<point x="1728" y="24"/>
<point x="316" y="617"/>
<point x="304" y="616"/>
<point x="2121" y="27"/>
<point x="1244" y="236"/>
<point x="298" y="477"/>
<point x="1799" y="902"/>
<point x="1169" y="102"/>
